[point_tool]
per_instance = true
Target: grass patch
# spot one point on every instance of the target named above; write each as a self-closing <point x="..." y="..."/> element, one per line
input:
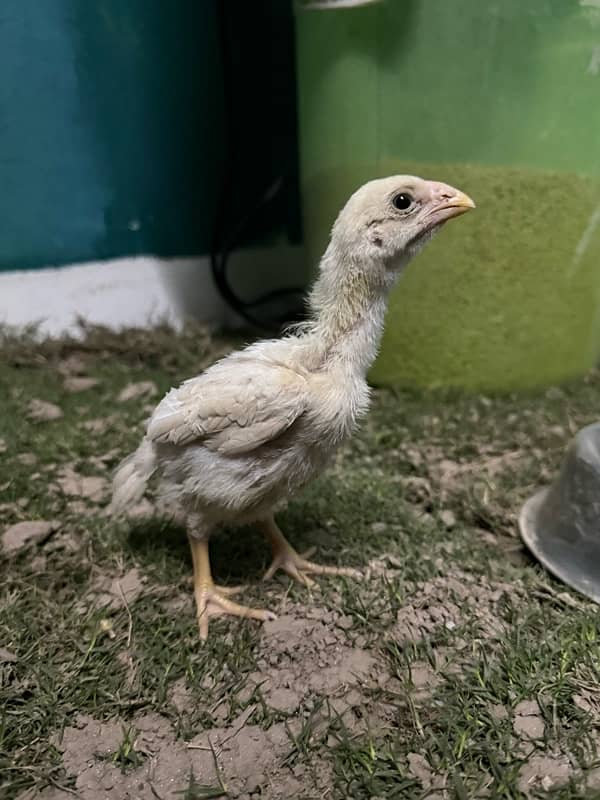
<point x="464" y="628"/>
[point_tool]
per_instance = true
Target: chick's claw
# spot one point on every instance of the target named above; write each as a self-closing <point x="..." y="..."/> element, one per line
<point x="292" y="563"/>
<point x="299" y="568"/>
<point x="213" y="601"/>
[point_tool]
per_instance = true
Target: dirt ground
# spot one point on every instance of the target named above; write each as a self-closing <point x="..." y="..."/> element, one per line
<point x="455" y="668"/>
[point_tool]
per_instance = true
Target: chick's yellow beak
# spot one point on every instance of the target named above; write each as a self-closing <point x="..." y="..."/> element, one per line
<point x="448" y="202"/>
<point x="460" y="201"/>
<point x="445" y="202"/>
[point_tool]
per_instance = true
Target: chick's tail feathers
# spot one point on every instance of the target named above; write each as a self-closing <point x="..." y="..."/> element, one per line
<point x="131" y="477"/>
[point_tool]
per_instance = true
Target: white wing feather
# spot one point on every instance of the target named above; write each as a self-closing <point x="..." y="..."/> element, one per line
<point x="234" y="407"/>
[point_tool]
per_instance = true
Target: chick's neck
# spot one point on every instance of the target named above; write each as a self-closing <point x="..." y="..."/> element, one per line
<point x="347" y="305"/>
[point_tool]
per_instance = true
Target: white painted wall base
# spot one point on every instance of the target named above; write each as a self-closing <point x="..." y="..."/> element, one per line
<point x="139" y="291"/>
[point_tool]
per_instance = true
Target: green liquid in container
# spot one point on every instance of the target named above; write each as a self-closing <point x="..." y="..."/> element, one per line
<point x="502" y="100"/>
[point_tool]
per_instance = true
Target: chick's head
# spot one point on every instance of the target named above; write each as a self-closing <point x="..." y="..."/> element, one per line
<point x="388" y="220"/>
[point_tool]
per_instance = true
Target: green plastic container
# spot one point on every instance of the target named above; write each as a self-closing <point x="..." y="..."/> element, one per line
<point x="501" y="99"/>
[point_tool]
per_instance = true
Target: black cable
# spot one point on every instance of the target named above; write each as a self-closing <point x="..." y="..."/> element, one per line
<point x="225" y="238"/>
<point x="219" y="258"/>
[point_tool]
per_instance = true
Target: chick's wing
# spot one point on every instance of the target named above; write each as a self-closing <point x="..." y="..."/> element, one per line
<point x="233" y="408"/>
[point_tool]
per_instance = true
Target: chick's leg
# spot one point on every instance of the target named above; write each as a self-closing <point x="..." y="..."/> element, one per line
<point x="211" y="600"/>
<point x="291" y="562"/>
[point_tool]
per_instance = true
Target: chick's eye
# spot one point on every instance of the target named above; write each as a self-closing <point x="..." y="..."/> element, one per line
<point x="402" y="201"/>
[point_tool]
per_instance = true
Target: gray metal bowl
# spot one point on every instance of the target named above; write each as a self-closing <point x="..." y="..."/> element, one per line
<point x="561" y="524"/>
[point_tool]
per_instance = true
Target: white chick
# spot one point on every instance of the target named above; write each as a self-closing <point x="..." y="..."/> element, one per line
<point x="234" y="443"/>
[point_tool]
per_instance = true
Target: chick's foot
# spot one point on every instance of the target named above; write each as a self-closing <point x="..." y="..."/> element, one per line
<point x="295" y="565"/>
<point x="212" y="600"/>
